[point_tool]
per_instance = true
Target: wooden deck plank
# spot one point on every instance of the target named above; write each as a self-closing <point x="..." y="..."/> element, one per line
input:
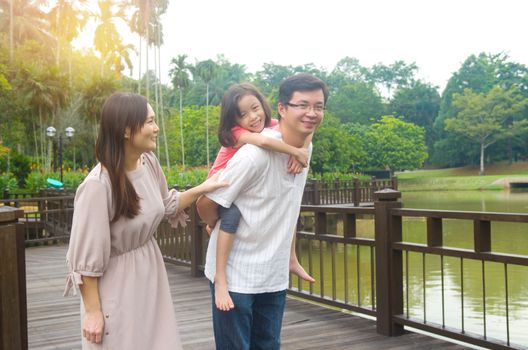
<point x="54" y="322"/>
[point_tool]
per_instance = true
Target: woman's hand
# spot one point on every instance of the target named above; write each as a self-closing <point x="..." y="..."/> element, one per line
<point x="93" y="326"/>
<point x="212" y="184"/>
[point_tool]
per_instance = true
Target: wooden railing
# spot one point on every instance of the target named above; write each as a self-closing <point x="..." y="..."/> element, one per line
<point x="47" y="217"/>
<point x="13" y="302"/>
<point x="362" y="263"/>
<point x="354" y="192"/>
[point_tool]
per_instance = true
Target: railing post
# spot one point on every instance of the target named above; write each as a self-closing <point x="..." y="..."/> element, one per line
<point x="356" y="196"/>
<point x="389" y="267"/>
<point x="13" y="301"/>
<point x="394" y="182"/>
<point x="316" y="193"/>
<point x="196" y="242"/>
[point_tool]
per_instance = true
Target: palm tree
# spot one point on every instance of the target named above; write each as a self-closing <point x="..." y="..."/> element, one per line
<point x="94" y="95"/>
<point x="25" y="20"/>
<point x="107" y="39"/>
<point x="66" y="22"/>
<point x="206" y="70"/>
<point x="180" y="80"/>
<point x="45" y="91"/>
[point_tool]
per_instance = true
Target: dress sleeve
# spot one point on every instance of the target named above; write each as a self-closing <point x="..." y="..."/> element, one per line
<point x="171" y="198"/>
<point x="89" y="247"/>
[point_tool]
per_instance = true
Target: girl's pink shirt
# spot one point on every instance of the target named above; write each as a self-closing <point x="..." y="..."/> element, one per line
<point x="226" y="153"/>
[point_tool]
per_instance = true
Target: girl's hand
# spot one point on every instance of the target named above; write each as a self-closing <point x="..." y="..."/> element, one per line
<point x="294" y="167"/>
<point x="93" y="326"/>
<point x="302" y="156"/>
<point x="212" y="184"/>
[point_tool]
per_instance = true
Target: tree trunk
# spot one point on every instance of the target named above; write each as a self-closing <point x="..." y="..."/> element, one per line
<point x="181" y="130"/>
<point x="207" y="123"/>
<point x="57" y="23"/>
<point x="147" y="64"/>
<point x="156" y="98"/>
<point x="42" y="158"/>
<point x="36" y="141"/>
<point x="482" y="148"/>
<point x="11" y="28"/>
<point x="160" y="93"/>
<point x="139" y="66"/>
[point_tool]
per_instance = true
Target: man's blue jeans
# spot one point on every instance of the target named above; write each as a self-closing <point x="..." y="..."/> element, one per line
<point x="255" y="322"/>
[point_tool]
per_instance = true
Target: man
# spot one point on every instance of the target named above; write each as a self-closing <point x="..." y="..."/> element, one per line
<point x="269" y="200"/>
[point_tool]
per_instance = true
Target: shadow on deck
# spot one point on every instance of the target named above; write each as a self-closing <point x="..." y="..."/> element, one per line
<point x="54" y="322"/>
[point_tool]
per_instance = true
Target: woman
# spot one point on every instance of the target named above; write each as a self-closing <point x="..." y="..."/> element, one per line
<point x="113" y="257"/>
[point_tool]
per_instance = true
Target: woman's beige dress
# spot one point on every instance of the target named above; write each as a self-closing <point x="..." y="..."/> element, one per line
<point x="133" y="285"/>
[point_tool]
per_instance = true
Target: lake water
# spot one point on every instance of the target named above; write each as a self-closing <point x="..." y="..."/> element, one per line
<point x="511" y="238"/>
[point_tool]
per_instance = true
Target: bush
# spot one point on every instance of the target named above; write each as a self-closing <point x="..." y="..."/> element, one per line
<point x="19" y="166"/>
<point x="189" y="177"/>
<point x="8" y="182"/>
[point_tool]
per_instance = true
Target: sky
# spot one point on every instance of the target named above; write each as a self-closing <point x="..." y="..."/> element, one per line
<point x="437" y="35"/>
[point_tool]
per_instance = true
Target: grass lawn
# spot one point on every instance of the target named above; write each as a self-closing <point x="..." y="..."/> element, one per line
<point x="458" y="179"/>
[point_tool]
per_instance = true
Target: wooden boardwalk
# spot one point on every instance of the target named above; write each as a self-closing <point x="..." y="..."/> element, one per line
<point x="54" y="321"/>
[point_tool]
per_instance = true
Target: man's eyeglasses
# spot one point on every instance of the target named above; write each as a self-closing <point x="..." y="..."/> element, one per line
<point x="306" y="107"/>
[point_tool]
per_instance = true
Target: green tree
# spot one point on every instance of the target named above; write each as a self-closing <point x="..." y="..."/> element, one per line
<point x="206" y="71"/>
<point x="107" y="39"/>
<point x="356" y="102"/>
<point x="395" y="144"/>
<point x="396" y="75"/>
<point x="486" y="117"/>
<point x="334" y="148"/>
<point x="24" y="20"/>
<point x="180" y="80"/>
<point x="418" y="104"/>
<point x="480" y="73"/>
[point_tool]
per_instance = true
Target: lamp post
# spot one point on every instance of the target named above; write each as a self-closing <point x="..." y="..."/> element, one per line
<point x="51" y="132"/>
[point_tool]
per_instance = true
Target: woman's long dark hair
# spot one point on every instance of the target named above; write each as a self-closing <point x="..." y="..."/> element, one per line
<point x="121" y="111"/>
<point x="229" y="110"/>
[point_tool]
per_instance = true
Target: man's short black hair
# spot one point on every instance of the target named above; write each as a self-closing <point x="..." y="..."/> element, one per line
<point x="300" y="82"/>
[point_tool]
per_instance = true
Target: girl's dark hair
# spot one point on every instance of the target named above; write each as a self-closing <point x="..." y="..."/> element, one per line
<point x="229" y="110"/>
<point x="120" y="111"/>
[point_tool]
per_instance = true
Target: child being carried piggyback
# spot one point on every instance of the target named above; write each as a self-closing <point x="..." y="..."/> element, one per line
<point x="244" y="114"/>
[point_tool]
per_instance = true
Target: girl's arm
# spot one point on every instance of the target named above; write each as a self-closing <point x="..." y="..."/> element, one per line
<point x="93" y="322"/>
<point x="295" y="167"/>
<point x="300" y="154"/>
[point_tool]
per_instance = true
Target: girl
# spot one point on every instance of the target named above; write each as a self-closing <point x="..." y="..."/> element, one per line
<point x="113" y="257"/>
<point x="244" y="113"/>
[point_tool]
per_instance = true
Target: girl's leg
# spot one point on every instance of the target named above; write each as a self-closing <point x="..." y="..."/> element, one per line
<point x="230" y="217"/>
<point x="295" y="266"/>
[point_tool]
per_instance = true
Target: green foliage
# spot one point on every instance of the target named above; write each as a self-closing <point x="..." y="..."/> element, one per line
<point x="17" y="164"/>
<point x="479" y="73"/>
<point x="418" y="104"/>
<point x="335" y="149"/>
<point x="36" y="181"/>
<point x="395" y="144"/>
<point x="8" y="182"/>
<point x="191" y="177"/>
<point x="356" y="102"/>
<point x="193" y="135"/>
<point x="488" y="117"/>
